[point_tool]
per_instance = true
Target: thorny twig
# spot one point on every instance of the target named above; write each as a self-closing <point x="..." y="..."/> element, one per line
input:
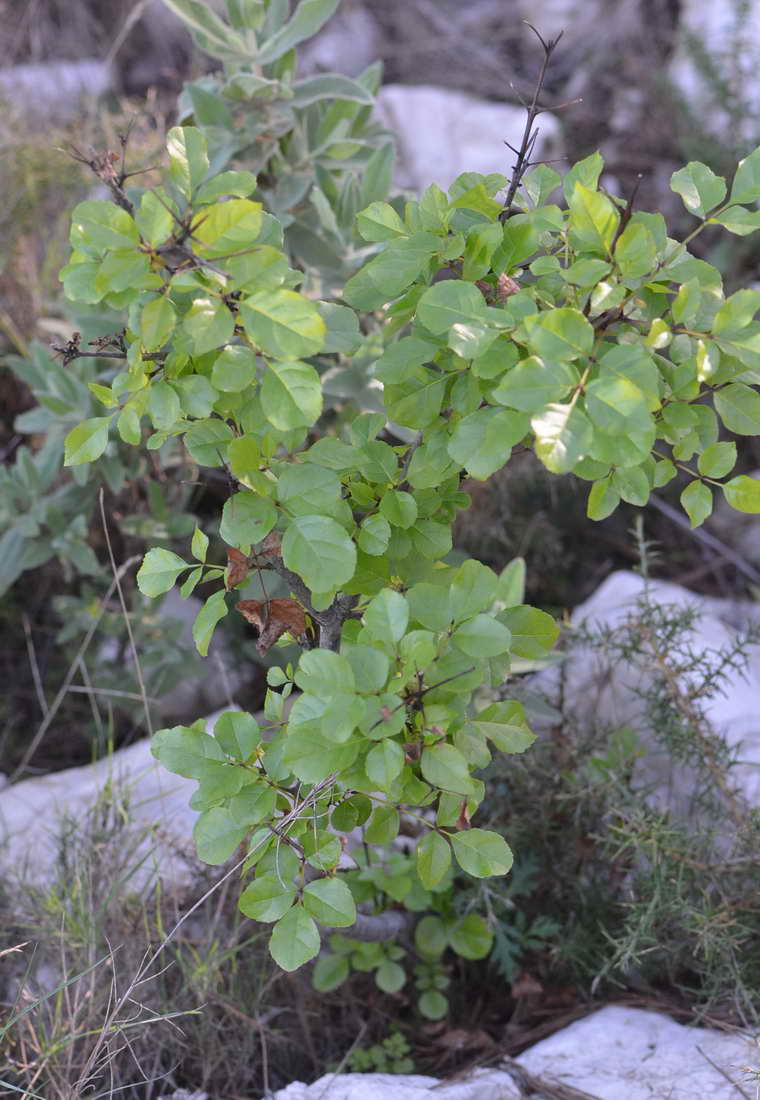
<point x="530" y="135"/>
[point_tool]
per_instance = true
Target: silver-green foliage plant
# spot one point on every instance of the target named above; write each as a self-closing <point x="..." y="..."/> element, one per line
<point x="583" y="332"/>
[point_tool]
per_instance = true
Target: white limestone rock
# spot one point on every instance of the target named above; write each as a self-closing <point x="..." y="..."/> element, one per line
<point x="630" y="1054"/>
<point x="609" y="694"/>
<point x="715" y="27"/>
<point x="348" y="43"/>
<point x="441" y="134"/>
<point x="158" y="823"/>
<point x="614" y="1054"/>
<point x="54" y="90"/>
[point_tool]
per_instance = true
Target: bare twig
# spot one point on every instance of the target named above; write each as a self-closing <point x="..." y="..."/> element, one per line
<point x="722" y="1072"/>
<point x="530" y="136"/>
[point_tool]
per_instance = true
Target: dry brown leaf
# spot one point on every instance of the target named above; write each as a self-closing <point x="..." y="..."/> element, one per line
<point x="237" y="568"/>
<point x="463" y="821"/>
<point x="273" y="618"/>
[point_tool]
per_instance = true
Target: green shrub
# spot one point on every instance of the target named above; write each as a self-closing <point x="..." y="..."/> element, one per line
<point x="583" y="332"/>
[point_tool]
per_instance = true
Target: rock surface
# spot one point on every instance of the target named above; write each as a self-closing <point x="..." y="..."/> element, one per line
<point x="614" y="1054"/>
<point x="441" y="134"/>
<point x="609" y="693"/>
<point x="37" y="813"/>
<point x="54" y="89"/>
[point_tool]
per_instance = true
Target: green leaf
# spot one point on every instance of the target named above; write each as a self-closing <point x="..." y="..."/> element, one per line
<point x="399" y="508"/>
<point x="635" y="252"/>
<point x="267" y="898"/>
<point x="217" y="835"/>
<point x="473" y="589"/>
<point x="717" y="460"/>
<point x="433" y="859"/>
<point x="283" y="324"/>
<point x="482" y="242"/>
<point x="154" y="218"/>
<point x="586" y="171"/>
<point x="383" y="826"/>
<point x="207" y="442"/>
<point x="343" y="335"/>
<point x="253" y="804"/>
<point x="390" y="977"/>
<point x="739" y="408"/>
<point x="737" y="312"/>
<point x="330" y="971"/>
<point x="330" y="902"/>
<point x="534" y="632"/>
<point x="560" y="334"/>
<point x="228" y="226"/>
<point x="738" y="220"/>
<point x="563" y="437"/>
<point x="444" y="766"/>
<point x="247" y="518"/>
<point x="482" y="853"/>
<point x="511" y="583"/>
<point x="309" y="16"/>
<point x="199" y="544"/>
<point x="294" y="939"/>
<point x="291" y="395"/>
<point x="304" y="489"/>
<point x="697" y="501"/>
<point x="188" y="158"/>
<point x="593" y="219"/>
<point x="430" y="937"/>
<point x="238" y="734"/>
<point x="234" y="369"/>
<point x="159" y="571"/>
<point x="430" y="539"/>
<point x="389" y="274"/>
<point x="699" y="187"/>
<point x="163" y="406"/>
<point x="374" y="535"/>
<point x="482" y="636"/>
<point x="483" y="441"/>
<point x="746" y="185"/>
<point x="384" y="763"/>
<point x="319" y="551"/>
<point x="387" y="616"/>
<point x="157" y="323"/>
<point x="380" y="222"/>
<point x="743" y="494"/>
<point x="209" y="615"/>
<point x="324" y="673"/>
<point x="87" y="441"/>
<point x="239" y="184"/>
<point x="187" y="751"/>
<point x="98" y="226"/>
<point x="471" y="937"/>
<point x="433" y="1005"/>
<point x="533" y="383"/>
<point x="208" y="324"/>
<point x="449" y="303"/>
<point x="603" y="499"/>
<point x="505" y="724"/>
<point x="214" y="35"/>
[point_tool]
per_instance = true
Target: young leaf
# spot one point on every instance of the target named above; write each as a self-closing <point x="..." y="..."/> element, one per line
<point x="697" y="501"/>
<point x="87" y="441"/>
<point x="743" y="494"/>
<point x="188" y="158"/>
<point x="699" y="187"/>
<point x="159" y="571"/>
<point x="209" y="615"/>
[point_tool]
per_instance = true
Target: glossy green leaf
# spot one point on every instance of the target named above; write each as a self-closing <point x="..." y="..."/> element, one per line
<point x="717" y="460"/>
<point x="234" y="369"/>
<point x="188" y="158"/>
<point x="330" y="902"/>
<point x="157" y="323"/>
<point x="563" y="437"/>
<point x="386" y="616"/>
<point x="738" y="406"/>
<point x="238" y="734"/>
<point x="534" y="632"/>
<point x="746" y="185"/>
<point x="208" y="324"/>
<point x="483" y="441"/>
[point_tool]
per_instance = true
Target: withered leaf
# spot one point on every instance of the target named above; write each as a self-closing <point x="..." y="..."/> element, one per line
<point x="271" y="546"/>
<point x="237" y="567"/>
<point x="273" y="618"/>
